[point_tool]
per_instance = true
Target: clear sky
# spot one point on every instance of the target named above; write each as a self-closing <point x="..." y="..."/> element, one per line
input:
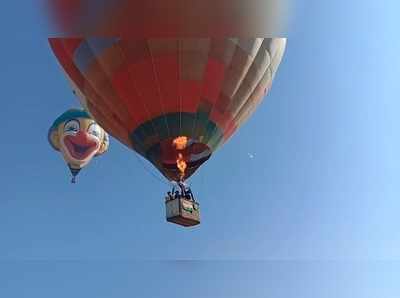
<point x="314" y="213"/>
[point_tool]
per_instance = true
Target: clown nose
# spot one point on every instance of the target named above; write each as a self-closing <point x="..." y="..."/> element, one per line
<point x="82" y="137"/>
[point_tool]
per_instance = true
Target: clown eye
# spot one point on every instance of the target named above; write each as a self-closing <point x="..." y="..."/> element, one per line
<point x="95" y="130"/>
<point x="72" y="126"/>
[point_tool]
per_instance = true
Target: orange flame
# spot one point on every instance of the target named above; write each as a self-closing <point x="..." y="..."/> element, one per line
<point x="180" y="143"/>
<point x="181" y="164"/>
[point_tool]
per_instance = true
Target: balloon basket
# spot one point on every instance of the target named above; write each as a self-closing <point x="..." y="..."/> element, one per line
<point x="183" y="212"/>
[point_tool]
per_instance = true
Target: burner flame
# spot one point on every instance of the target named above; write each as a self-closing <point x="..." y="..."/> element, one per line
<point x="182" y="165"/>
<point x="180" y="143"/>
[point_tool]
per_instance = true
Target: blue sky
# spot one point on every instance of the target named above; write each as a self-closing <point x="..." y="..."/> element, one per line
<point x="314" y="212"/>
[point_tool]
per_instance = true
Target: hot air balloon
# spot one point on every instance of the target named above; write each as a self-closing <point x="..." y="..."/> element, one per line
<point x="79" y="138"/>
<point x="173" y="101"/>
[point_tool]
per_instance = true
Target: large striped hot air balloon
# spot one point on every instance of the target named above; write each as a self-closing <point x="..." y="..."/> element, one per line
<point x="174" y="101"/>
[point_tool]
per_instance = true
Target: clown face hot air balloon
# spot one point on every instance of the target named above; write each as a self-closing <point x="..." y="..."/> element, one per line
<point x="173" y="101"/>
<point x="78" y="137"/>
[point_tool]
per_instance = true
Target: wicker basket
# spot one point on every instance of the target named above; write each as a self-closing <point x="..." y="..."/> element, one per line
<point x="183" y="212"/>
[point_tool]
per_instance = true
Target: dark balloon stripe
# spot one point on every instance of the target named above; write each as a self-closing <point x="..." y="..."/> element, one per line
<point x="194" y="125"/>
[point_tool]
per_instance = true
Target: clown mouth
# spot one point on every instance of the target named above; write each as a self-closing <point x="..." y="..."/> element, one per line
<point x="78" y="150"/>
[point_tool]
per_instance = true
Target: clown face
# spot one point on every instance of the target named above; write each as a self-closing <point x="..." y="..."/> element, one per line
<point x="80" y="140"/>
<point x="78" y="137"/>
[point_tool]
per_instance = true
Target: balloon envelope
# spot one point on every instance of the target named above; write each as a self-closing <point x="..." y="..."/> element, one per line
<point x="171" y="100"/>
